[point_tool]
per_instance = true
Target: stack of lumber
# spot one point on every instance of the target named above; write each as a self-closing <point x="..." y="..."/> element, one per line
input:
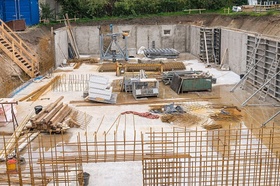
<point x="55" y="117"/>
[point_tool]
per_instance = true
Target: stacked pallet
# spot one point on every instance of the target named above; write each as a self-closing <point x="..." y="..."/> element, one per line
<point x="55" y="117"/>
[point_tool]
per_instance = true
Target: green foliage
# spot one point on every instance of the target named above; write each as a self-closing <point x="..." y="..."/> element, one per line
<point x="107" y="8"/>
<point x="75" y="8"/>
<point x="46" y="11"/>
<point x="100" y="8"/>
<point x="124" y="7"/>
<point x="96" y="8"/>
<point x="239" y="2"/>
<point x="172" y="6"/>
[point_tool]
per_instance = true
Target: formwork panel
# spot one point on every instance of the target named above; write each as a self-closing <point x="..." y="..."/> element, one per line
<point x="263" y="57"/>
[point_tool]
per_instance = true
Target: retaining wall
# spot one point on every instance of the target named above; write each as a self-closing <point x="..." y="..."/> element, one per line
<point x="184" y="38"/>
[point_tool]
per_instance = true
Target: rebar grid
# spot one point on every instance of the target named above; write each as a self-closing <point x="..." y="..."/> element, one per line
<point x="235" y="156"/>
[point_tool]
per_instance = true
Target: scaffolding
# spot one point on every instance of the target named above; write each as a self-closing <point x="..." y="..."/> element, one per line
<point x="113" y="51"/>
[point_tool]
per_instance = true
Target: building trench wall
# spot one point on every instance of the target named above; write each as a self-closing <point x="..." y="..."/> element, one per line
<point x="233" y="48"/>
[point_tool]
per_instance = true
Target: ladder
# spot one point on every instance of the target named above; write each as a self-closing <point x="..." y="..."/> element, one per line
<point x="18" y="51"/>
<point x="270" y="74"/>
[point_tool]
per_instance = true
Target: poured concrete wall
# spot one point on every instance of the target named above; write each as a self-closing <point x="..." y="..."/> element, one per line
<point x="60" y="46"/>
<point x="87" y="38"/>
<point x="184" y="38"/>
<point x="163" y="36"/>
<point x="233" y="50"/>
<point x="194" y="47"/>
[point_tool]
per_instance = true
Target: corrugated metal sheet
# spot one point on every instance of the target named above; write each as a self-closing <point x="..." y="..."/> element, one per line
<point x="10" y="10"/>
<point x="35" y="15"/>
<point x="27" y="10"/>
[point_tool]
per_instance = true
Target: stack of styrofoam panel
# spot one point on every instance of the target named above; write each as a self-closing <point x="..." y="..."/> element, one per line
<point x="99" y="88"/>
<point x="6" y="110"/>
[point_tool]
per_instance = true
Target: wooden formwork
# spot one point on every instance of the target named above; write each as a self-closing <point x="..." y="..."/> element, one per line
<point x="135" y="67"/>
<point x="235" y="156"/>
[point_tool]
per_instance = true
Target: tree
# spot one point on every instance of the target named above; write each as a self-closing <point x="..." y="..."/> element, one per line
<point x="78" y="8"/>
<point x="46" y="11"/>
<point x="96" y="7"/>
<point x="239" y="2"/>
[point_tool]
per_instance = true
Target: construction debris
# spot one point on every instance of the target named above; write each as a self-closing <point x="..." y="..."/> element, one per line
<point x="55" y="117"/>
<point x="183" y="120"/>
<point x="167" y="109"/>
<point x="169" y="53"/>
<point x="142" y="114"/>
<point x="227" y="114"/>
<point x="83" y="60"/>
<point x="212" y="126"/>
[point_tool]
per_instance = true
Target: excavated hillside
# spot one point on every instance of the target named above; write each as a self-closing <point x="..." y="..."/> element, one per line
<point x="39" y="38"/>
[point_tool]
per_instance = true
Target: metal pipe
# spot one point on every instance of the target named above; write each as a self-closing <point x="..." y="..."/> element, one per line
<point x="271" y="118"/>
<point x="245" y="76"/>
<point x="244" y="103"/>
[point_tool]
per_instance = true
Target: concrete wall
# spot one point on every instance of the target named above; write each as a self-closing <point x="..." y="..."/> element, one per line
<point x="87" y="38"/>
<point x="184" y="38"/>
<point x="61" y="46"/>
<point x="164" y="36"/>
<point x="194" y="44"/>
<point x="233" y="50"/>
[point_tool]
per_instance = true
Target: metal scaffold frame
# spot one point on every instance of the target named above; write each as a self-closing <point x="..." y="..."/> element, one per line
<point x="117" y="53"/>
<point x="263" y="70"/>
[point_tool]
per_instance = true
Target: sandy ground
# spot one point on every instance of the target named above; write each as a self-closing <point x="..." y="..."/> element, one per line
<point x="197" y="104"/>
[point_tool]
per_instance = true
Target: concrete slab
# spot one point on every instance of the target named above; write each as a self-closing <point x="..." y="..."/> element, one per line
<point x="108" y="118"/>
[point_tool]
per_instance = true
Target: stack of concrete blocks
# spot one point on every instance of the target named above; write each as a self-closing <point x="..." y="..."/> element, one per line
<point x="99" y="88"/>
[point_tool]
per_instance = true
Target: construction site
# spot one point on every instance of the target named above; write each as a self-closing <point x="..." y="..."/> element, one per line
<point x="182" y="103"/>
